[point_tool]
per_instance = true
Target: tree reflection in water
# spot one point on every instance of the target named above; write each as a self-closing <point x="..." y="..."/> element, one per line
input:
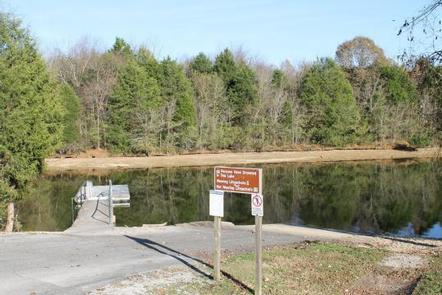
<point x="396" y="197"/>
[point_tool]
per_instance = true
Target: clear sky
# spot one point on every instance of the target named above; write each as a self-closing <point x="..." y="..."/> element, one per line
<point x="270" y="30"/>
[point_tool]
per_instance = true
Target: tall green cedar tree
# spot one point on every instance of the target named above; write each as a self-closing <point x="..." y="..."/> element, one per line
<point x="327" y="95"/>
<point x="241" y="86"/>
<point x="31" y="111"/>
<point x="176" y="89"/>
<point x="201" y="64"/>
<point x="397" y="85"/>
<point x="134" y="97"/>
<point x="147" y="60"/>
<point x="72" y="106"/>
<point x="121" y="47"/>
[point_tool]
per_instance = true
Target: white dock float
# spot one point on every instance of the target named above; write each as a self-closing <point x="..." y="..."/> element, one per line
<point x="90" y="192"/>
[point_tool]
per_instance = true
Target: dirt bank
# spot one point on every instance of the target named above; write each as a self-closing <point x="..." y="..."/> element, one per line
<point x="75" y="164"/>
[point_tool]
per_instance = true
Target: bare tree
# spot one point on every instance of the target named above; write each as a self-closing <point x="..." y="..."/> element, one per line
<point x="92" y="74"/>
<point x="211" y="106"/>
<point x="425" y="29"/>
<point x="360" y="52"/>
<point x="96" y="90"/>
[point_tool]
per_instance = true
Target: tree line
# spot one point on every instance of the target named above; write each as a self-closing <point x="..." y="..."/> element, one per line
<point x="128" y="101"/>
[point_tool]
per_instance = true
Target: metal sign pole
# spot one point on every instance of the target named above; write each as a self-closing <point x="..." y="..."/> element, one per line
<point x="258" y="235"/>
<point x="217" y="250"/>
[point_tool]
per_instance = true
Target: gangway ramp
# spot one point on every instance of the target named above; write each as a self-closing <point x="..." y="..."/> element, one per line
<point x="96" y="204"/>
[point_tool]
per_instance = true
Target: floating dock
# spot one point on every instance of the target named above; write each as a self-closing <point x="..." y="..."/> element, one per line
<point x="96" y="205"/>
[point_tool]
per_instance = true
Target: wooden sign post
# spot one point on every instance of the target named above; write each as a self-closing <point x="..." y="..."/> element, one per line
<point x="258" y="269"/>
<point x="243" y="181"/>
<point x="216" y="209"/>
<point x="257" y="204"/>
<point x="217" y="249"/>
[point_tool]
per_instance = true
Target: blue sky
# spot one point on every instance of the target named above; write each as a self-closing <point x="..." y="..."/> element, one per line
<point x="270" y="30"/>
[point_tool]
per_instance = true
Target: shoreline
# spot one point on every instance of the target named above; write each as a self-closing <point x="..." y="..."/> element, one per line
<point x="56" y="165"/>
<point x="307" y="233"/>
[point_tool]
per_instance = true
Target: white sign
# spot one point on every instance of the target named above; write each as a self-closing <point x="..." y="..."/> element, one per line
<point x="216" y="203"/>
<point x="257" y="205"/>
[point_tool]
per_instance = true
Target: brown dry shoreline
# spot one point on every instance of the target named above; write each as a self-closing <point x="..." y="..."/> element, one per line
<point x="54" y="165"/>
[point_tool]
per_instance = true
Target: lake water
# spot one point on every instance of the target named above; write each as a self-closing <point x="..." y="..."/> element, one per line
<point x="396" y="197"/>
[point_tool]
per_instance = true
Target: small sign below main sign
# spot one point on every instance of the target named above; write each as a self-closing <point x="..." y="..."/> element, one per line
<point x="238" y="180"/>
<point x="257" y="205"/>
<point x="216" y="203"/>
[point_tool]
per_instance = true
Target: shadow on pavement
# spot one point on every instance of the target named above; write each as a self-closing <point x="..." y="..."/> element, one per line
<point x="98" y="210"/>
<point x="182" y="258"/>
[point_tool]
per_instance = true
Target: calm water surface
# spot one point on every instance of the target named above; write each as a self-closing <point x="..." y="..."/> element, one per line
<point x="398" y="197"/>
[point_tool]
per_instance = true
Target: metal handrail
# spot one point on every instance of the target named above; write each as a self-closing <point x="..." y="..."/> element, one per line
<point x="75" y="201"/>
<point x="111" y="209"/>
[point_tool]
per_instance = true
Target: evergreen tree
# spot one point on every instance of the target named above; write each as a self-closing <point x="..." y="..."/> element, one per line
<point x="225" y="65"/>
<point x="397" y="85"/>
<point x="121" y="47"/>
<point x="147" y="60"/>
<point x="201" y="64"/>
<point x="134" y="97"/>
<point x="177" y="92"/>
<point x="327" y="95"/>
<point x="286" y="118"/>
<point x="278" y="79"/>
<point x="31" y="111"/>
<point x="398" y="114"/>
<point x="240" y="82"/>
<point x="71" y="102"/>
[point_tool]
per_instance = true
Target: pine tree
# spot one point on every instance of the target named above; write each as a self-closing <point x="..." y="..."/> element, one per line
<point x="177" y="92"/>
<point x="121" y="47"/>
<point x="240" y="82"/>
<point x="278" y="79"/>
<point x="147" y="61"/>
<point x="397" y="85"/>
<point x="225" y="65"/>
<point x="201" y="64"/>
<point x="71" y="131"/>
<point x="327" y="95"/>
<point x="135" y="96"/>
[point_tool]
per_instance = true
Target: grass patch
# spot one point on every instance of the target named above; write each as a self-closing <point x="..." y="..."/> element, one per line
<point x="318" y="268"/>
<point x="431" y="281"/>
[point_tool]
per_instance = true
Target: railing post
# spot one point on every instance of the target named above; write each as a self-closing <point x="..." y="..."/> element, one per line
<point x="83" y="193"/>
<point x="72" y="209"/>
<point x="111" y="209"/>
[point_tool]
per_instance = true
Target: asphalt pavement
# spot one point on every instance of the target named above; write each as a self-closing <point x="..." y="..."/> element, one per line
<point x="73" y="263"/>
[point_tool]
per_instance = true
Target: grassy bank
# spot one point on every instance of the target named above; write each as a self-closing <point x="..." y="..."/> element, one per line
<point x="431" y="282"/>
<point x="321" y="268"/>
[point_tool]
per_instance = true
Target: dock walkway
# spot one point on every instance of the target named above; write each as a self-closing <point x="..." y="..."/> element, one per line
<point x="93" y="216"/>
